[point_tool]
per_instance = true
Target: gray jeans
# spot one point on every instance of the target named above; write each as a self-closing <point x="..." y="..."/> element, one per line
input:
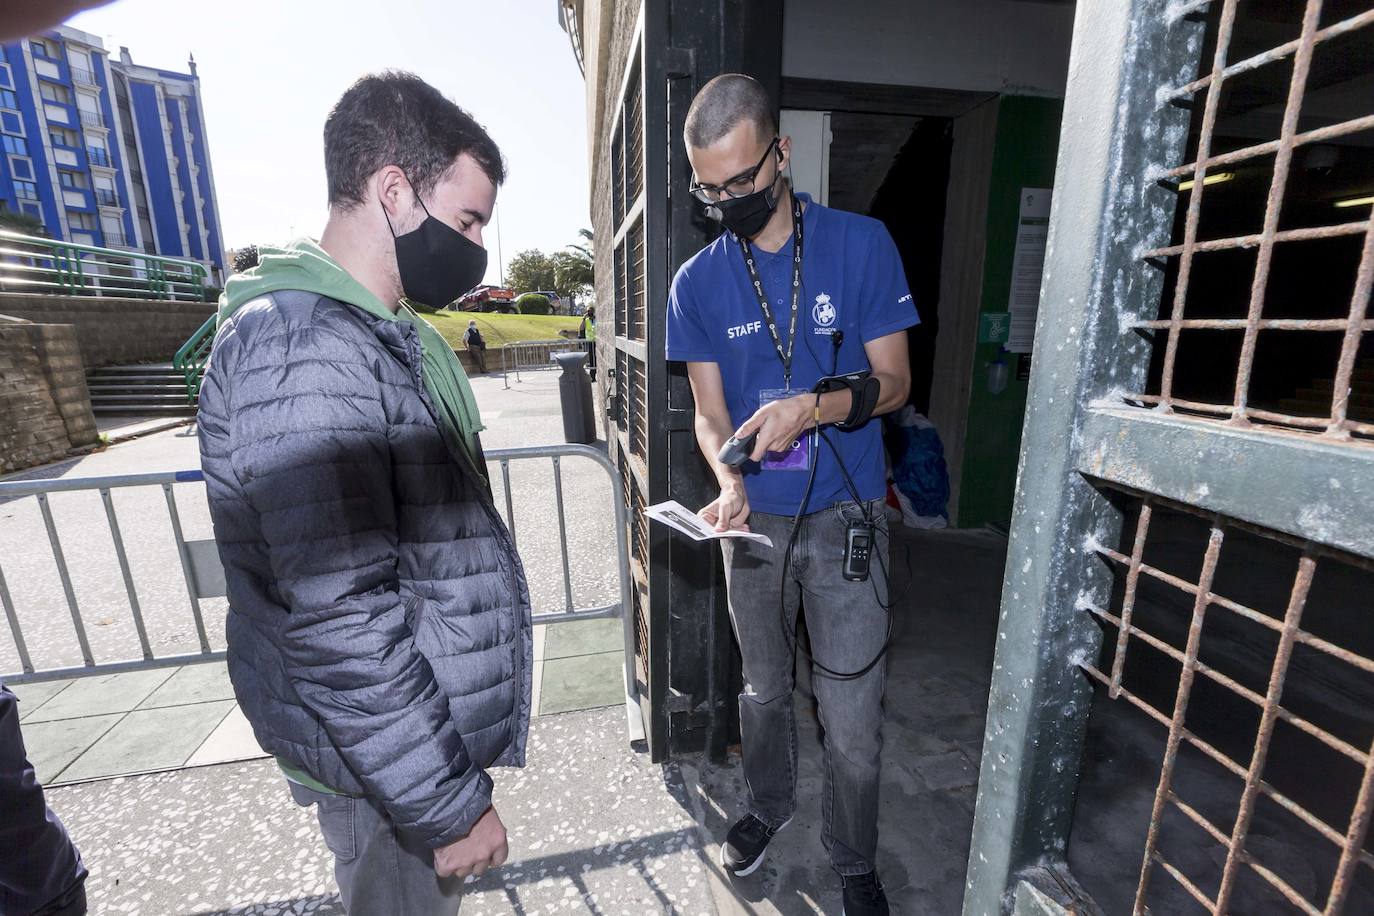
<point x="847" y="625"/>
<point x="380" y="871"/>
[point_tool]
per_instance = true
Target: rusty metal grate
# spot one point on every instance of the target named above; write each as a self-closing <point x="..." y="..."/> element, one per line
<point x="1336" y="420"/>
<point x="1135" y="568"/>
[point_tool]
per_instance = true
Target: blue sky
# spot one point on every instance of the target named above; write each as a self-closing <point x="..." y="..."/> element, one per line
<point x="270" y="71"/>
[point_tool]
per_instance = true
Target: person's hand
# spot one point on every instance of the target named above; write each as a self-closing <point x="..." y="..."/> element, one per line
<point x="779" y="424"/>
<point x="484" y="847"/>
<point x="728" y="511"/>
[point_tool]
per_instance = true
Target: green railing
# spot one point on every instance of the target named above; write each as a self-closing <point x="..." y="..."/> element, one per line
<point x="191" y="358"/>
<point x="30" y="264"/>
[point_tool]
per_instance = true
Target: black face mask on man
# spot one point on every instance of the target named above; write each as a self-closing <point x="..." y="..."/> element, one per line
<point x="436" y="262"/>
<point x="746" y="216"/>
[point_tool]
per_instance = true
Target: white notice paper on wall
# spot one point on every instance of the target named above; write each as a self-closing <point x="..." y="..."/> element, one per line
<point x="1027" y="267"/>
<point x="678" y="517"/>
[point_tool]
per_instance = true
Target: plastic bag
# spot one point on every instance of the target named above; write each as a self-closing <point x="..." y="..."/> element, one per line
<point x="919" y="471"/>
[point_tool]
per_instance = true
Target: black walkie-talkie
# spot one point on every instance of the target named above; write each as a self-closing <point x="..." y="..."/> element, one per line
<point x="858" y="549"/>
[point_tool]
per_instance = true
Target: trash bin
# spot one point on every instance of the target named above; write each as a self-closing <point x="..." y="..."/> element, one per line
<point x="575" y="391"/>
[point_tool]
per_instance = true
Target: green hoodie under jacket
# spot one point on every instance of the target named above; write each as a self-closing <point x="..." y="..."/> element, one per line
<point x="304" y="265"/>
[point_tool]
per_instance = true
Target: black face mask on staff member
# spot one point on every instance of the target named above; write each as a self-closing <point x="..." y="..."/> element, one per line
<point x="747" y="214"/>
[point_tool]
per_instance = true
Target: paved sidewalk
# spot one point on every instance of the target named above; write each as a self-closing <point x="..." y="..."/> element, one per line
<point x="594" y="828"/>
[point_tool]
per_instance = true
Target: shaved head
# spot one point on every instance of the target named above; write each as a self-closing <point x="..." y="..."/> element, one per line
<point x="722" y="104"/>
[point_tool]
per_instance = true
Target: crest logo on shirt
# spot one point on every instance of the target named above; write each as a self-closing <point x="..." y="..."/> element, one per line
<point x="823" y="312"/>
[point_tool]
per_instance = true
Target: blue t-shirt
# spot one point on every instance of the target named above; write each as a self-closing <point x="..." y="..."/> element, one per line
<point x="852" y="279"/>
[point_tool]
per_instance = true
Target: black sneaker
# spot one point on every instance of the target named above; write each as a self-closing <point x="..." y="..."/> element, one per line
<point x="745" y="845"/>
<point x="863" y="895"/>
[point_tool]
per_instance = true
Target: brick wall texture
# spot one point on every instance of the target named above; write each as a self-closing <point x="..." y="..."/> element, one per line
<point x="115" y="331"/>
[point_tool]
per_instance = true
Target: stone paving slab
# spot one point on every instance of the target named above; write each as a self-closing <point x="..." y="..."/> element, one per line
<point x="53" y="746"/>
<point x="586" y="637"/>
<point x="100" y="694"/>
<point x="582" y="682"/>
<point x="149" y="739"/>
<point x="33" y="696"/>
<point x="231" y="740"/>
<point x="192" y="684"/>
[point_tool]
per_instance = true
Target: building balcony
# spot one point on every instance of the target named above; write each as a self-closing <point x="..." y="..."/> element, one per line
<point x="106" y="197"/>
<point x="92" y="119"/>
<point x="98" y="156"/>
<point x="116" y="240"/>
<point x="84" y="77"/>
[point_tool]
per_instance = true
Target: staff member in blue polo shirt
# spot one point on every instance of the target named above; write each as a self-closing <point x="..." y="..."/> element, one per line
<point x="792" y="293"/>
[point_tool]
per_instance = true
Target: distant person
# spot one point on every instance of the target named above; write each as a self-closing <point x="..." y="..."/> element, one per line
<point x="587" y="331"/>
<point x="477" y="347"/>
<point x="40" y="870"/>
<point x="379" y="621"/>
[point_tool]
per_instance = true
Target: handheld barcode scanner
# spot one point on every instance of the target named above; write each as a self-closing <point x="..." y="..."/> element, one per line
<point x="736" y="451"/>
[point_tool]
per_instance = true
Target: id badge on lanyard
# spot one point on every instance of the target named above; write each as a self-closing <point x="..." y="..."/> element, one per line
<point x="796" y="458"/>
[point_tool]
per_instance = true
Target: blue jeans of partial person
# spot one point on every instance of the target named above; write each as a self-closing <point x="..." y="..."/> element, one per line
<point x="380" y="870"/>
<point x="40" y="869"/>
<point x="847" y="625"/>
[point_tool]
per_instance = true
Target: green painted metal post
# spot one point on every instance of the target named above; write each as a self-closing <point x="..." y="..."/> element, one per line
<point x="80" y="282"/>
<point x="1115" y="129"/>
<point x="157" y="279"/>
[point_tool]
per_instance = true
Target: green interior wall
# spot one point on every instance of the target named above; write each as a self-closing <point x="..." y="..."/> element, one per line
<point x="1027" y="141"/>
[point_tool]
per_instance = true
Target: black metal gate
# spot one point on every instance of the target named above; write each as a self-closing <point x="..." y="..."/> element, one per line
<point x="685" y="653"/>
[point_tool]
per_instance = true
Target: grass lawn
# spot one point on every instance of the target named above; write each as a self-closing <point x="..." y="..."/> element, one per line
<point x="499" y="330"/>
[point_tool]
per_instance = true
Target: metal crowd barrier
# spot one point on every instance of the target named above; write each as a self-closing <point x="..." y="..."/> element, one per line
<point x="204" y="575"/>
<point x="529" y="355"/>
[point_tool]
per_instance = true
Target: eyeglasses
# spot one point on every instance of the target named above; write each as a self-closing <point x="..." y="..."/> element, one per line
<point x="741" y="185"/>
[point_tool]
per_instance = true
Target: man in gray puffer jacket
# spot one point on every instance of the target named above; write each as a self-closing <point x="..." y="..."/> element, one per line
<point x="379" y="620"/>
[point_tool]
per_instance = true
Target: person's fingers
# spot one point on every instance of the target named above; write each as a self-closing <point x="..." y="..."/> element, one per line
<point x="480" y="869"/>
<point x="502" y="853"/>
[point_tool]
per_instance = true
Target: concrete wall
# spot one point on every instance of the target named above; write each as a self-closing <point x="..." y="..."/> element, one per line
<point x="45" y="410"/>
<point x="1010" y="46"/>
<point x="114" y="331"/>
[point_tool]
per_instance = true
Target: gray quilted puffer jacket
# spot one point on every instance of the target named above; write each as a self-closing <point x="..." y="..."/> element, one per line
<point x="379" y="620"/>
